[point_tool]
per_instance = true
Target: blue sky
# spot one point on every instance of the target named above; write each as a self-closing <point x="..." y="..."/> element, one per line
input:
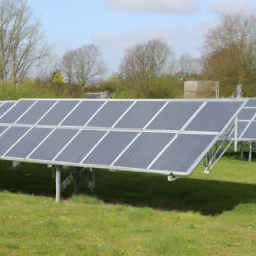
<point x="118" y="24"/>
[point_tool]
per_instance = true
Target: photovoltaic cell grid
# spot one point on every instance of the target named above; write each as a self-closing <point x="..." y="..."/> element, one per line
<point x="5" y="107"/>
<point x="33" y="115"/>
<point x="30" y="141"/>
<point x="250" y="132"/>
<point x="186" y="146"/>
<point x="144" y="149"/>
<point x="10" y="137"/>
<point x="214" y="116"/>
<point x="175" y="115"/>
<point x="140" y="114"/>
<point x="82" y="113"/>
<point x="80" y="146"/>
<point x="148" y="151"/>
<point x="16" y="111"/>
<point x="247" y="114"/>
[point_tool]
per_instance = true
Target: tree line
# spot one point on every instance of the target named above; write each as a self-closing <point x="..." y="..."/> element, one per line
<point x="147" y="70"/>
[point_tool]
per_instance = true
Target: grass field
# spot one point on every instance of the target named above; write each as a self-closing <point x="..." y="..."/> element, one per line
<point x="130" y="213"/>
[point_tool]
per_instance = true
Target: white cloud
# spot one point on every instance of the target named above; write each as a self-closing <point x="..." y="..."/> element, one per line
<point x="232" y="6"/>
<point x="179" y="7"/>
<point x="130" y="38"/>
<point x="182" y="39"/>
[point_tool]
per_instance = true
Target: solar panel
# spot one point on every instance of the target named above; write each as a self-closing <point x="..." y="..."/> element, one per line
<point x="185" y="150"/>
<point x="140" y="135"/>
<point x="214" y="116"/>
<point x="144" y="150"/>
<point x="80" y="146"/>
<point x="5" y="106"/>
<point x="32" y="139"/>
<point x="53" y="144"/>
<point x="140" y="114"/>
<point x="10" y="137"/>
<point x="247" y="113"/>
<point x="240" y="127"/>
<point x="110" y="147"/>
<point x="175" y="115"/>
<point x="58" y="112"/>
<point x="82" y="113"/>
<point x="110" y="113"/>
<point x="2" y="129"/>
<point x="251" y="103"/>
<point x="250" y="132"/>
<point x="17" y="111"/>
<point x="36" y="112"/>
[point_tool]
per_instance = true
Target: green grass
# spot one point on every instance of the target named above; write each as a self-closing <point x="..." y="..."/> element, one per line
<point x="130" y="213"/>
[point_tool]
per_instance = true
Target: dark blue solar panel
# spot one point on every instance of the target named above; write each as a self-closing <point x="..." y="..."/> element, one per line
<point x="144" y="150"/>
<point x="17" y="111"/>
<point x="250" y="132"/>
<point x="81" y="115"/>
<point x="2" y="129"/>
<point x="140" y="114"/>
<point x="58" y="112"/>
<point x="251" y="103"/>
<point x="110" y="148"/>
<point x="175" y="115"/>
<point x="53" y="144"/>
<point x="29" y="142"/>
<point x="5" y="106"/>
<point x="247" y="113"/>
<point x="214" y="116"/>
<point x="240" y="127"/>
<point x="76" y="151"/>
<point x="183" y="153"/>
<point x="110" y="113"/>
<point x="10" y="137"/>
<point x="36" y="112"/>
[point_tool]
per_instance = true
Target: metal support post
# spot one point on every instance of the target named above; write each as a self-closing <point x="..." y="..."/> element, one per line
<point x="239" y="91"/>
<point x="235" y="135"/>
<point x="58" y="179"/>
<point x="218" y="90"/>
<point x="92" y="177"/>
<point x="250" y="153"/>
<point x="77" y="180"/>
<point x="242" y="150"/>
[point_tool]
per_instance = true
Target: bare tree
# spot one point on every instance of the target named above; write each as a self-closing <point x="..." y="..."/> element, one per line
<point x="229" y="52"/>
<point x="188" y="65"/>
<point x="84" y="65"/>
<point x="144" y="63"/>
<point x="22" y="42"/>
<point x="149" y="59"/>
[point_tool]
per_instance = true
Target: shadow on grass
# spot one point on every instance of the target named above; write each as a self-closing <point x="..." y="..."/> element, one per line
<point x="208" y="197"/>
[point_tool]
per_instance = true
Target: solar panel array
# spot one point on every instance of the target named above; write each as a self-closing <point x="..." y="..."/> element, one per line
<point x="160" y="136"/>
<point x="247" y="121"/>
